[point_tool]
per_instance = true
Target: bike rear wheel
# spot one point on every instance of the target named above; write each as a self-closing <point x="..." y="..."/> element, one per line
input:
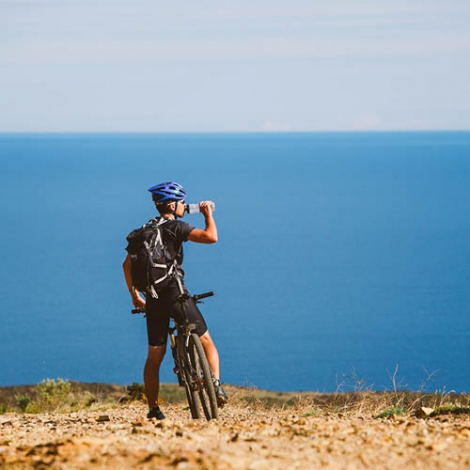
<point x="204" y="384"/>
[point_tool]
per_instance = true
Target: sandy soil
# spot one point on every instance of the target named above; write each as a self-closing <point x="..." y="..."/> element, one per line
<point x="245" y="438"/>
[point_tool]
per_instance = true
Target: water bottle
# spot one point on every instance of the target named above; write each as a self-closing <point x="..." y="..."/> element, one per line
<point x="194" y="208"/>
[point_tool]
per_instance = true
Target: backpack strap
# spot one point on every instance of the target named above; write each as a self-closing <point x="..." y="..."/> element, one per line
<point x="159" y="221"/>
<point x="156" y="221"/>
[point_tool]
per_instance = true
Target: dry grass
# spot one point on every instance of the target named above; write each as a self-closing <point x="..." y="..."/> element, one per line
<point x="61" y="396"/>
<point x="362" y="404"/>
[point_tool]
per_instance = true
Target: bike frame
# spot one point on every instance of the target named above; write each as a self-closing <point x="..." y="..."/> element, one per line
<point x="191" y="365"/>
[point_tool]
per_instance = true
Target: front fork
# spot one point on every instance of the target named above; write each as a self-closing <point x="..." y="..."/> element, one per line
<point x="183" y="340"/>
<point x="176" y="358"/>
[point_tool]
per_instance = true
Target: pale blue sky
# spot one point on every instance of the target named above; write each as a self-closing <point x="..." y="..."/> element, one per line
<point x="216" y="66"/>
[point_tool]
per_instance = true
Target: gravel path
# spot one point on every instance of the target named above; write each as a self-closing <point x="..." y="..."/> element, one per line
<point x="245" y="439"/>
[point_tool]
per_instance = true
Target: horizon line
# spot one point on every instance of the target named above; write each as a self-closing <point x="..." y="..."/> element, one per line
<point x="258" y="132"/>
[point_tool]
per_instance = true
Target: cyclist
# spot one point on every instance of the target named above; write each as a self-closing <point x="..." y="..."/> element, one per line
<point x="169" y="199"/>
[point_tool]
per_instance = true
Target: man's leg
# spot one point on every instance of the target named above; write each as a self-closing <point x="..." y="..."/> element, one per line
<point x="152" y="373"/>
<point x="211" y="354"/>
<point x="194" y="316"/>
<point x="214" y="363"/>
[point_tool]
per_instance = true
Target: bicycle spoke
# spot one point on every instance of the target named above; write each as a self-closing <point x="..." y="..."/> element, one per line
<point x="203" y="375"/>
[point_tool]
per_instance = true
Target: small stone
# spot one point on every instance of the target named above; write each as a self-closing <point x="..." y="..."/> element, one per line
<point x="102" y="418"/>
<point x="424" y="412"/>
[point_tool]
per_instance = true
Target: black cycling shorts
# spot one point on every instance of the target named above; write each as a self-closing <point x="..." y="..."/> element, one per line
<point x="159" y="311"/>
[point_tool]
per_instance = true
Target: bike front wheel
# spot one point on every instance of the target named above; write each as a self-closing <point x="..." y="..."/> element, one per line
<point x="192" y="395"/>
<point x="203" y="377"/>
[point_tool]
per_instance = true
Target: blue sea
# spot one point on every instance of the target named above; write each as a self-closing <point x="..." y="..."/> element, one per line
<point x="343" y="259"/>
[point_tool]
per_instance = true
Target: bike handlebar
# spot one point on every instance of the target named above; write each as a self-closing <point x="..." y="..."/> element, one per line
<point x="196" y="298"/>
<point x="203" y="296"/>
<point x="137" y="310"/>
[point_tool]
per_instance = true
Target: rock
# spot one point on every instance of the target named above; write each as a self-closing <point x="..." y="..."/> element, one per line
<point x="424" y="412"/>
<point x="103" y="418"/>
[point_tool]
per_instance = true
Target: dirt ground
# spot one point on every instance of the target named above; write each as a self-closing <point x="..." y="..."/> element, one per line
<point x="244" y="438"/>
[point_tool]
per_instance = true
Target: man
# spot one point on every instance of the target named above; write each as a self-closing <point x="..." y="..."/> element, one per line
<point x="169" y="199"/>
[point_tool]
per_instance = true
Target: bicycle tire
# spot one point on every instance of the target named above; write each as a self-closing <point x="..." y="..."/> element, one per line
<point x="205" y="385"/>
<point x="192" y="396"/>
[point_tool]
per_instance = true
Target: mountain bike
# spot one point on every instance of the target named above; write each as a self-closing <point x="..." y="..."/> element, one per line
<point x="191" y="364"/>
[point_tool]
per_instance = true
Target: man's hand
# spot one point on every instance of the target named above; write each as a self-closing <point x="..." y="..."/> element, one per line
<point x="206" y="208"/>
<point x="137" y="299"/>
<point x="209" y="234"/>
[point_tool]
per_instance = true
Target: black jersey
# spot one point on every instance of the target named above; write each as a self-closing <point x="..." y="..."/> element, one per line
<point x="175" y="233"/>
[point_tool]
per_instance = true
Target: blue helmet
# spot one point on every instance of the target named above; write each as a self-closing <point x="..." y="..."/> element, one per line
<point x="166" y="192"/>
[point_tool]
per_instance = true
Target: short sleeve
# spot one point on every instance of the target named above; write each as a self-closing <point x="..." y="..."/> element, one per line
<point x="182" y="230"/>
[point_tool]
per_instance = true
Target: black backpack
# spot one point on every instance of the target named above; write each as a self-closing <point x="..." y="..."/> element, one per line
<point x="153" y="264"/>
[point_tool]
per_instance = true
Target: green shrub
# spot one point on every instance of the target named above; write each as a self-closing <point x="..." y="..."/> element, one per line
<point x="89" y="399"/>
<point x="451" y="409"/>
<point x="136" y="392"/>
<point x="23" y="401"/>
<point x="393" y="411"/>
<point x="52" y="394"/>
